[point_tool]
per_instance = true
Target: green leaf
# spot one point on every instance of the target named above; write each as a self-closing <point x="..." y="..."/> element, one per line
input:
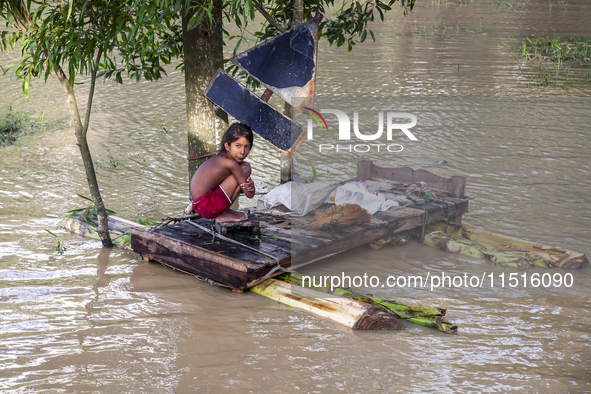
<point x="147" y="222"/>
<point x="381" y="13"/>
<point x="196" y="20"/>
<point x="252" y="10"/>
<point x="26" y="89"/>
<point x="209" y="15"/>
<point x="247" y="6"/>
<point x="237" y="46"/>
<point x="77" y="210"/>
<point x="84" y="197"/>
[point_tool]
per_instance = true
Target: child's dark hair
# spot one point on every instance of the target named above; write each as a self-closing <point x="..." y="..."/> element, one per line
<point x="235" y="132"/>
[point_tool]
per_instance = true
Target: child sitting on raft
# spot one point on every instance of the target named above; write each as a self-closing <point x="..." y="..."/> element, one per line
<point x="218" y="182"/>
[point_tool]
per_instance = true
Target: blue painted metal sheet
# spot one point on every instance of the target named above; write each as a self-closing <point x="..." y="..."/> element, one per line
<point x="249" y="109"/>
<point x="286" y="64"/>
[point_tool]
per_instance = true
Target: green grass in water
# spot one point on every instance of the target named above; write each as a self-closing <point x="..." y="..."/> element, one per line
<point x="16" y="123"/>
<point x="557" y="60"/>
<point x="11" y="126"/>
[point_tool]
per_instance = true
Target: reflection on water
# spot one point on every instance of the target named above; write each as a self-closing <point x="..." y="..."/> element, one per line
<point x="100" y="320"/>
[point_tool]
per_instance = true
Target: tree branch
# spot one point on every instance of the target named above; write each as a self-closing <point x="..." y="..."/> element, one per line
<point x="92" y="84"/>
<point x="268" y="17"/>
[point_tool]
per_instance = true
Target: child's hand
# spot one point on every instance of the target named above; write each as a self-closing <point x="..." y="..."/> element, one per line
<point x="248" y="186"/>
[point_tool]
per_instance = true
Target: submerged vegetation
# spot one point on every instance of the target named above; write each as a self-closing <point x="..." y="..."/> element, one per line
<point x="479" y="29"/>
<point x="557" y="60"/>
<point x="13" y="125"/>
<point x="16" y="123"/>
<point x="60" y="248"/>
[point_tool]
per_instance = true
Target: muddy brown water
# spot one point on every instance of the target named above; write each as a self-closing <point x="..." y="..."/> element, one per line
<point x="95" y="320"/>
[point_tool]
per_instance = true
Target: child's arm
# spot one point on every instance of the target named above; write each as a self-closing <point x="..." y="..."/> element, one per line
<point x="246" y="184"/>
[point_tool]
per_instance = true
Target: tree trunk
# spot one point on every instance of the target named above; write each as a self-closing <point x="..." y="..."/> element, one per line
<point x="80" y="131"/>
<point x="286" y="162"/>
<point x="298" y="13"/>
<point x="203" y="54"/>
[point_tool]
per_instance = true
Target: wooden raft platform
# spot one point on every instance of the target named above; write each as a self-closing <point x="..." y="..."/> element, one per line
<point x="193" y="250"/>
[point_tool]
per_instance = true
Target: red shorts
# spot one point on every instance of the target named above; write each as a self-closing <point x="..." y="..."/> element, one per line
<point x="212" y="204"/>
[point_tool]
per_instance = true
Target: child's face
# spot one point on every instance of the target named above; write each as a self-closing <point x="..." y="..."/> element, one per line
<point x="239" y="149"/>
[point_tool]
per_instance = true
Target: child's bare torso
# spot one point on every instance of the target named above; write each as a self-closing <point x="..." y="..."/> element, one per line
<point x="209" y="175"/>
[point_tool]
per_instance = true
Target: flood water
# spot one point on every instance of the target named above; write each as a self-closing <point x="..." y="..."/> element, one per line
<point x="97" y="320"/>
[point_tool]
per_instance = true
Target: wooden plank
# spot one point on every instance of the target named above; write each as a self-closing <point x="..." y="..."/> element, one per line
<point x="253" y="277"/>
<point x="263" y="245"/>
<point x="251" y="224"/>
<point x="458" y="186"/>
<point x="408" y="175"/>
<point x="280" y="241"/>
<point x="177" y="254"/>
<point x="456" y="219"/>
<point x="267" y="95"/>
<point x="266" y="226"/>
<point x="161" y="239"/>
<point x="306" y="238"/>
<point x="414" y="217"/>
<point x="187" y="233"/>
<point x="366" y="169"/>
<point x="399" y="220"/>
<point x="222" y="252"/>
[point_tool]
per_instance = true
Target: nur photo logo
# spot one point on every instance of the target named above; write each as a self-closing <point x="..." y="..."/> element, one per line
<point x="393" y="126"/>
